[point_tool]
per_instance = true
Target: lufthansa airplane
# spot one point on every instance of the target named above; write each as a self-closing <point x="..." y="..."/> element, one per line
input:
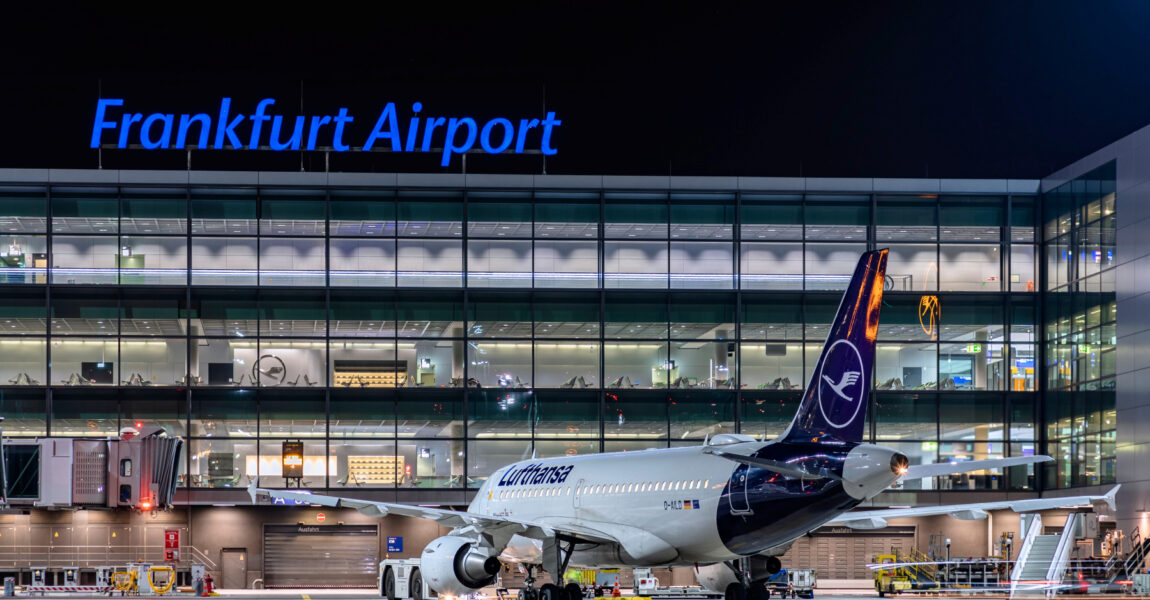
<point x="705" y="506"/>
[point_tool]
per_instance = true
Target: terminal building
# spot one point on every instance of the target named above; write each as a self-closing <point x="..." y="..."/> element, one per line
<point x="418" y="331"/>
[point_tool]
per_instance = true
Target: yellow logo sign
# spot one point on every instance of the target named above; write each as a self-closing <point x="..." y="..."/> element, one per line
<point x="928" y="313"/>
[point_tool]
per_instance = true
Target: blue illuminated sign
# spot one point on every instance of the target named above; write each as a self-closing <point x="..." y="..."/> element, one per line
<point x="394" y="543"/>
<point x="235" y="131"/>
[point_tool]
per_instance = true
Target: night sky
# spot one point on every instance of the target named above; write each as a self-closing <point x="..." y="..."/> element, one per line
<point x="913" y="89"/>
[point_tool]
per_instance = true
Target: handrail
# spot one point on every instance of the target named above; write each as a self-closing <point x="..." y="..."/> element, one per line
<point x="1032" y="532"/>
<point x="1057" y="567"/>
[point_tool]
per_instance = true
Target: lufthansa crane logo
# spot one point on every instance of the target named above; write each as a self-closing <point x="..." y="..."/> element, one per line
<point x="841" y="384"/>
<point x="928" y="313"/>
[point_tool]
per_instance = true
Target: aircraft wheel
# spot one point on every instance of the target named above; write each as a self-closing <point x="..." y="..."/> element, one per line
<point x="574" y="591"/>
<point x="389" y="584"/>
<point x="550" y="591"/>
<point x="758" y="591"/>
<point x="735" y="591"/>
<point x="416" y="585"/>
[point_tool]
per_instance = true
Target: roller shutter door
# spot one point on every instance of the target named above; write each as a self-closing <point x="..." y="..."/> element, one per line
<point x="840" y="553"/>
<point x="321" y="555"/>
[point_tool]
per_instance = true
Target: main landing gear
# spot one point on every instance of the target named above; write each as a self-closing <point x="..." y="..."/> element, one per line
<point x="750" y="589"/>
<point x="550" y="591"/>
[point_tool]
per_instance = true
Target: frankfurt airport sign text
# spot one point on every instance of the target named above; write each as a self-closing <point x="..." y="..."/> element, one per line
<point x="231" y="129"/>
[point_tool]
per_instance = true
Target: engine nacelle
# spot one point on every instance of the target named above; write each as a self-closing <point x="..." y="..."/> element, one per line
<point x="715" y="577"/>
<point x="870" y="469"/>
<point x="454" y="565"/>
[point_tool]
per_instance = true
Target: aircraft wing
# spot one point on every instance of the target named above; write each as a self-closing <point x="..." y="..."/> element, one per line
<point x="947" y="468"/>
<point x="635" y="541"/>
<point x="877" y="519"/>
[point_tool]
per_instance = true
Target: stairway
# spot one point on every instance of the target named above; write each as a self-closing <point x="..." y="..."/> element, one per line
<point x="1040" y="557"/>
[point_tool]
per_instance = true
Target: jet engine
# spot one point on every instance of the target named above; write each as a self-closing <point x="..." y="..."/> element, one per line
<point x="456" y="565"/>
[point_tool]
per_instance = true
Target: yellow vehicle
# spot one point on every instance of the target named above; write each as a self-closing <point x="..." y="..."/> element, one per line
<point x="907" y="573"/>
<point x="890" y="580"/>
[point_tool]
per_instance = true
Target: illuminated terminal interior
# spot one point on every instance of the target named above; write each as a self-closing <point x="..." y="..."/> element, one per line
<point x="424" y="334"/>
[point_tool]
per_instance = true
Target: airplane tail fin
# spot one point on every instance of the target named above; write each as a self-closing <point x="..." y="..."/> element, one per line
<point x="835" y="401"/>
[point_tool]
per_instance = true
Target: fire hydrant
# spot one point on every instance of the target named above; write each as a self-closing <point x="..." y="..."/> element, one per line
<point x="208" y="591"/>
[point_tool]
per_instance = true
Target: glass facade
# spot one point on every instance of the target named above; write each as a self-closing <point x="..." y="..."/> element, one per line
<point x="424" y="338"/>
<point x="1080" y="339"/>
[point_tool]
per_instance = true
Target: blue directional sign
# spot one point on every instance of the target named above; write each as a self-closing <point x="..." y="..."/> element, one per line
<point x="394" y="543"/>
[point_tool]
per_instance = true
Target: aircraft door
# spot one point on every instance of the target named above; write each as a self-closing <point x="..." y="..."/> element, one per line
<point x="575" y="499"/>
<point x="737" y="494"/>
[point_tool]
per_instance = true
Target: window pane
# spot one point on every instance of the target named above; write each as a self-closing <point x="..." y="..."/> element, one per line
<point x="776" y="317"/>
<point x="1022" y="368"/>
<point x="23" y="312"/>
<point x="703" y="317"/>
<point x="429" y="413"/>
<point x="358" y="364"/>
<point x="767" y="413"/>
<point x="220" y="463"/>
<point x="296" y="314"/>
<point x="224" y="261"/>
<point x="696" y="414"/>
<point x="25" y="361"/>
<point x="546" y="449"/>
<point x="153" y="362"/>
<point x="970" y="268"/>
<point x="837" y="218"/>
<point x="906" y="367"/>
<point x="631" y="316"/>
<point x="973" y="417"/>
<point x="772" y="366"/>
<point x="215" y="362"/>
<point x="224" y="313"/>
<point x="153" y="212"/>
<point x="81" y="362"/>
<point x="293" y="212"/>
<point x="224" y="413"/>
<point x="84" y="413"/>
<point x="1023" y="217"/>
<point x="24" y="259"/>
<point x="292" y="262"/>
<point x="905" y="416"/>
<point x="635" y="215"/>
<point x="634" y="414"/>
<point x="24" y="413"/>
<point x="706" y="365"/>
<point x="973" y="366"/>
<point x="430" y="214"/>
<point x="566" y="316"/>
<point x="637" y="365"/>
<point x="292" y="414"/>
<point x="435" y="463"/>
<point x="499" y="263"/>
<point x="702" y="216"/>
<point x="986" y="479"/>
<point x="902" y="219"/>
<point x="371" y="464"/>
<point x="570" y="365"/>
<point x="971" y="218"/>
<point x="772" y="217"/>
<point x="85" y="212"/>
<point x="567" y="414"/>
<point x="635" y="265"/>
<point x="500" y="364"/>
<point x="142" y="408"/>
<point x="358" y="413"/>
<point x="971" y="319"/>
<point x="362" y="314"/>
<point x="830" y="266"/>
<point x="770" y="266"/>
<point x="437" y="315"/>
<point x="23" y="210"/>
<point x="316" y="464"/>
<point x="224" y="212"/>
<point x="362" y="263"/>
<point x="1022" y="268"/>
<point x="486" y="457"/>
<point x="499" y="214"/>
<point x="909" y="317"/>
<point x="84" y="259"/>
<point x="566" y="264"/>
<point x="702" y="265"/>
<point x="913" y="267"/>
<point x="430" y="263"/>
<point x="567" y="215"/>
<point x="363" y="213"/>
<point x="284" y="362"/>
<point x="153" y="260"/>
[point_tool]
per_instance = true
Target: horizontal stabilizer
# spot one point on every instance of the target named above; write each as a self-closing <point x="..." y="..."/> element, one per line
<point x="774" y="466"/>
<point x="937" y="469"/>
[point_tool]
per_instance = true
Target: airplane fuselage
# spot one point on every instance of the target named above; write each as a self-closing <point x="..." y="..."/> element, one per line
<point x="705" y="508"/>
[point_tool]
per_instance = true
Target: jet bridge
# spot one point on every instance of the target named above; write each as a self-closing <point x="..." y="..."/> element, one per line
<point x="138" y="469"/>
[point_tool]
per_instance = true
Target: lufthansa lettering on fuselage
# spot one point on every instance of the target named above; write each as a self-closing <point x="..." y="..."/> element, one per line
<point x="535" y="475"/>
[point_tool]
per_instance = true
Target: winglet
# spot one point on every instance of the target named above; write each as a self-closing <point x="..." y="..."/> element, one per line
<point x="1111" y="498"/>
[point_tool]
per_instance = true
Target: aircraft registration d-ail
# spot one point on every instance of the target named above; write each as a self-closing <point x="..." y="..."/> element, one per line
<point x="705" y="506"/>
